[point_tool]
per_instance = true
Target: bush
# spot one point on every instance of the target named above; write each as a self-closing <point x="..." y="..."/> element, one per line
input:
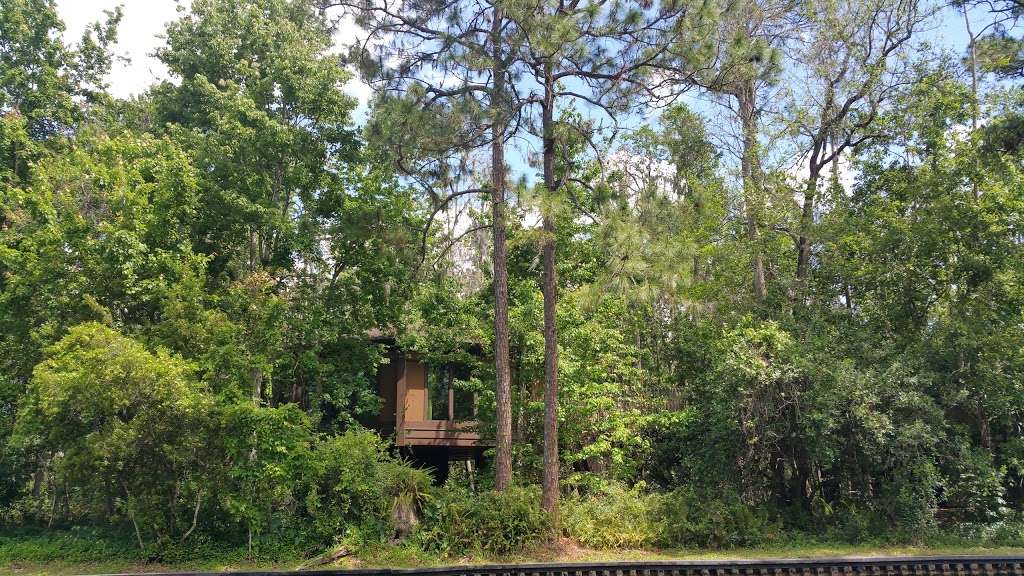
<point x="679" y="453"/>
<point x="687" y="520"/>
<point x="612" y="518"/>
<point x="909" y="499"/>
<point x="121" y="428"/>
<point x="975" y="487"/>
<point x="859" y="523"/>
<point x="458" y="521"/>
<point x="1008" y="532"/>
<point x="359" y="482"/>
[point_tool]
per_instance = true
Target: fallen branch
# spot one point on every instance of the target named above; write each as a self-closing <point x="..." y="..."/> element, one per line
<point x="325" y="558"/>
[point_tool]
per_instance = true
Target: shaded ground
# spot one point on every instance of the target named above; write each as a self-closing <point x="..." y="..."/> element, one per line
<point x="563" y="552"/>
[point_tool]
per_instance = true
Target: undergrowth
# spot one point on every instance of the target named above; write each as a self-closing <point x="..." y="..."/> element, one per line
<point x="457" y="525"/>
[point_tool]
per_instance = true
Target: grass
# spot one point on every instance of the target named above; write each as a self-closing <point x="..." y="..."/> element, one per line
<point x="404" y="556"/>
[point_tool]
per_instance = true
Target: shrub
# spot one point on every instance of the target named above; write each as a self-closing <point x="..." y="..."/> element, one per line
<point x="687" y="520"/>
<point x="974" y="489"/>
<point x="679" y="451"/>
<point x="121" y="427"/>
<point x="859" y="523"/>
<point x="909" y="499"/>
<point x="74" y="545"/>
<point x="458" y="521"/>
<point x="268" y="456"/>
<point x="1008" y="532"/>
<point x="359" y="482"/>
<point x="612" y="518"/>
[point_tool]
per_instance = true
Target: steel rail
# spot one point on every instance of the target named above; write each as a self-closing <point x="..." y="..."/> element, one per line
<point x="842" y="566"/>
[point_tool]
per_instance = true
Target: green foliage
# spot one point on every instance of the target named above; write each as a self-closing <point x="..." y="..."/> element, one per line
<point x="602" y="390"/>
<point x="442" y="325"/>
<point x="189" y="281"/>
<point x="688" y="519"/>
<point x="975" y="488"/>
<point x="498" y="523"/>
<point x="677" y="456"/>
<point x="74" y="545"/>
<point x="909" y="498"/>
<point x="1001" y="54"/>
<point x="612" y="517"/>
<point x="40" y="75"/>
<point x="267" y="453"/>
<point x="357" y="482"/>
<point x="100" y="233"/>
<point x="98" y="546"/>
<point x="258" y="103"/>
<point x="118" y="425"/>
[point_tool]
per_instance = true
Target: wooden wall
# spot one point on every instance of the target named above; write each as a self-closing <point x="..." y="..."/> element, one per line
<point x="416" y="397"/>
<point x="402" y="384"/>
<point x="387" y="388"/>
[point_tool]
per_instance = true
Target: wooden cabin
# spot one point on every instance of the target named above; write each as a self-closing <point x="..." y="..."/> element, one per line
<point x="431" y="420"/>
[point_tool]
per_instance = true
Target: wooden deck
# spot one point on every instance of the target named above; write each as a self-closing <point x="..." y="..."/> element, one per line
<point x="439" y="433"/>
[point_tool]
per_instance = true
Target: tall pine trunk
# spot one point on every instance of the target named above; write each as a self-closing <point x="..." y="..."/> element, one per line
<point x="749" y="167"/>
<point x="503" y="394"/>
<point x="550" y="286"/>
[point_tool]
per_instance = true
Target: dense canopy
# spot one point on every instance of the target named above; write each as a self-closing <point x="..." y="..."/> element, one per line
<point x="721" y="273"/>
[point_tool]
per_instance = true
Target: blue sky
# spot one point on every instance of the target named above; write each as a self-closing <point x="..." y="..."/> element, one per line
<point x="144" y="22"/>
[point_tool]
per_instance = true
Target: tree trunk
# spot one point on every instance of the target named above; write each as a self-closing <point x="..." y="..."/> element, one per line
<point x="551" y="474"/>
<point x="257" y="385"/>
<point x="749" y="167"/>
<point x="503" y="393"/>
<point x="972" y="51"/>
<point x="803" y="247"/>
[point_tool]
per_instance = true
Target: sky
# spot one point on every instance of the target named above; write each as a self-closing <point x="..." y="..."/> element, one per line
<point x="140" y="34"/>
<point x="144" y="21"/>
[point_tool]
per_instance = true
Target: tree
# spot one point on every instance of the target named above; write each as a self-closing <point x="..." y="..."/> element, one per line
<point x="42" y="76"/>
<point x="101" y="232"/>
<point x="455" y="96"/>
<point x="187" y="278"/>
<point x="661" y="206"/>
<point x="612" y="51"/>
<point x="43" y="81"/>
<point x="105" y="414"/>
<point x="295" y="212"/>
<point x="991" y="48"/>
<point x="948" y="303"/>
<point x="503" y="377"/>
<point x="745" y="64"/>
<point x="853" y="59"/>
<point x="260" y="103"/>
<point x="266" y="459"/>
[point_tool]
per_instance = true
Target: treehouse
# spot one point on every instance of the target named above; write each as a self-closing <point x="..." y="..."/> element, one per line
<point x="431" y="419"/>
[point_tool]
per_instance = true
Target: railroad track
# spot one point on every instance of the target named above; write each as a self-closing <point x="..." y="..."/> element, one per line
<point x="879" y="566"/>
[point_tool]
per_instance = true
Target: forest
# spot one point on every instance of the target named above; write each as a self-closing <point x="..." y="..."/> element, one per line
<point x="721" y="274"/>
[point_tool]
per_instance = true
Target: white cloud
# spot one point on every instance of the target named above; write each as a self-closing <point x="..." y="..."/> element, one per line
<point x="140" y="34"/>
<point x="137" y="37"/>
